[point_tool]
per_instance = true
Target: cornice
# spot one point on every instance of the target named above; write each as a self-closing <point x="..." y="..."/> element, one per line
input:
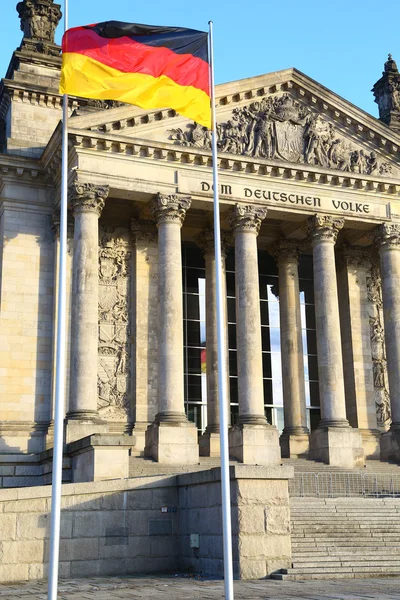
<point x="126" y="147"/>
<point x="14" y="168"/>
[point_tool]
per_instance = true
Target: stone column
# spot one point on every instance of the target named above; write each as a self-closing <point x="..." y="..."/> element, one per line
<point x="388" y="239"/>
<point x="209" y="441"/>
<point x="333" y="441"/>
<point x="253" y="440"/>
<point x="171" y="438"/>
<point x="87" y="202"/>
<point x="353" y="270"/>
<point x="295" y="437"/>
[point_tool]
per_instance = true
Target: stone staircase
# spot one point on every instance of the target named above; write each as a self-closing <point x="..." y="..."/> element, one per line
<point x="146" y="467"/>
<point x="343" y="538"/>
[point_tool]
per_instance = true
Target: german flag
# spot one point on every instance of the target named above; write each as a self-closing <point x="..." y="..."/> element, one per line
<point x="150" y="67"/>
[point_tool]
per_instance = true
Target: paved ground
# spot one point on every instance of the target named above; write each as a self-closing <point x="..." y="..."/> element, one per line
<point x="180" y="588"/>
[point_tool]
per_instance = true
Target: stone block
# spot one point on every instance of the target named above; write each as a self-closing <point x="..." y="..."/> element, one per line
<point x="76" y="430"/>
<point x="255" y="444"/>
<point x="337" y="446"/>
<point x="251" y="569"/>
<point x="21" y="552"/>
<point x="172" y="443"/>
<point x="390" y="446"/>
<point x="294" y="446"/>
<point x="16" y="572"/>
<point x="8" y="526"/>
<point x="100" y="457"/>
<point x="209" y="444"/>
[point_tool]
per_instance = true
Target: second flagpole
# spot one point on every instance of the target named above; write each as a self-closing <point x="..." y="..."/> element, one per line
<point x="59" y="400"/>
<point x="222" y="379"/>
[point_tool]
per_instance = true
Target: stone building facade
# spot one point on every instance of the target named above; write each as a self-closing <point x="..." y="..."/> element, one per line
<point x="309" y="188"/>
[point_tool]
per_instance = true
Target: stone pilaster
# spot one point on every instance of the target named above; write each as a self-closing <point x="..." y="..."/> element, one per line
<point x="209" y="441"/>
<point x="144" y="319"/>
<point x="388" y="239"/>
<point x="295" y="437"/>
<point x="87" y="202"/>
<point x="353" y="270"/>
<point x="333" y="441"/>
<point x="171" y="438"/>
<point x="252" y="440"/>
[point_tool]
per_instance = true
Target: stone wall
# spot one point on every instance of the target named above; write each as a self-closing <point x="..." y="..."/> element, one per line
<point x="143" y="525"/>
<point x="260" y="521"/>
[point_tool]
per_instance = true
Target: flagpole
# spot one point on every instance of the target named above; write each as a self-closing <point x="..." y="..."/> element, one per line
<point x="222" y="379"/>
<point x="60" y="366"/>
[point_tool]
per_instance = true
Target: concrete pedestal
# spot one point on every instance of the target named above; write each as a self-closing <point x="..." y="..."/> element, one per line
<point x="294" y="445"/>
<point x="337" y="446"/>
<point x="77" y="429"/>
<point x="209" y="444"/>
<point x="390" y="446"/>
<point x="254" y="444"/>
<point x="172" y="443"/>
<point x="100" y="457"/>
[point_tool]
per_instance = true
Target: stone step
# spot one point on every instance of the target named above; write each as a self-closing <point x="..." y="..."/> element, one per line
<point x="326" y="576"/>
<point x="351" y="562"/>
<point x="371" y="569"/>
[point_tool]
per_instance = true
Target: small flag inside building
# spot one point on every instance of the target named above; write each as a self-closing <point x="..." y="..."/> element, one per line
<point x="150" y="67"/>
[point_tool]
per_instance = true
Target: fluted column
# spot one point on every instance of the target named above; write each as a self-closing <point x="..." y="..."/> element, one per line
<point x="325" y="444"/>
<point x="294" y="440"/>
<point x="171" y="439"/>
<point x="388" y="239"/>
<point x="252" y="441"/>
<point x="209" y="442"/>
<point x="87" y="202"/>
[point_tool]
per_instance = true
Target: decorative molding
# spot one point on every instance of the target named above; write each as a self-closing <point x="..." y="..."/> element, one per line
<point x="114" y="373"/>
<point x="170" y="209"/>
<point x="281" y="128"/>
<point x="244" y="217"/>
<point x="387" y="236"/>
<point x="323" y="228"/>
<point x="87" y="197"/>
<point x="355" y="256"/>
<point x="378" y="350"/>
<point x="39" y="19"/>
<point x="144" y="230"/>
<point x="285" y="251"/>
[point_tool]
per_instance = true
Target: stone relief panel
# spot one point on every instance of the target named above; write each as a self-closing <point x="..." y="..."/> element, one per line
<point x="281" y="128"/>
<point x="114" y="368"/>
<point x="381" y="384"/>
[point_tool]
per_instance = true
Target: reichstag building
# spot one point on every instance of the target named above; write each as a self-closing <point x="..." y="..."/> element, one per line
<point x="309" y="188"/>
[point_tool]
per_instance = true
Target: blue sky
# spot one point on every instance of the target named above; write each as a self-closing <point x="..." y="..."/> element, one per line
<point x="342" y="44"/>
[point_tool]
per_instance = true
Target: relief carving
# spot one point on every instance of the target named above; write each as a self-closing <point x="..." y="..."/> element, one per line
<point x="381" y="384"/>
<point x="39" y="19"/>
<point x="279" y="127"/>
<point x="113" y="379"/>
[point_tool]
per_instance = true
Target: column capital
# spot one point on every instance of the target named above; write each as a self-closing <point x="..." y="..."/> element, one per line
<point x="87" y="197"/>
<point x="387" y="236"/>
<point x="245" y="217"/>
<point x="205" y="241"/>
<point x="323" y="228"/>
<point x="285" y="251"/>
<point x="355" y="256"/>
<point x="144" y="230"/>
<point x="170" y="209"/>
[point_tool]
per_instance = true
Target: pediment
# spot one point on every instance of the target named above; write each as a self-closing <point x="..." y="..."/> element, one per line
<point x="282" y="116"/>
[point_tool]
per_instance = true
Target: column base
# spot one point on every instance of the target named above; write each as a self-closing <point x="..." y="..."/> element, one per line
<point x="81" y="425"/>
<point x="390" y="446"/>
<point x="172" y="443"/>
<point x="255" y="444"/>
<point x="209" y="444"/>
<point x="337" y="446"/>
<point x="295" y="445"/>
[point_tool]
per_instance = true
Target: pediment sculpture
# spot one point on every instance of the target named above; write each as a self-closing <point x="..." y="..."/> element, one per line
<point x="281" y="128"/>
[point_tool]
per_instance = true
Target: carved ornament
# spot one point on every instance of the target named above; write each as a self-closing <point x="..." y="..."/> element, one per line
<point x="285" y="251"/>
<point x="323" y="228"/>
<point x="387" y="236"/>
<point x="144" y="230"/>
<point x="355" y="256"/>
<point x="281" y="128"/>
<point x="246" y="218"/>
<point x="170" y="209"/>
<point x="205" y="241"/>
<point x="387" y="94"/>
<point x="114" y="347"/>
<point x="39" y="19"/>
<point x="87" y="197"/>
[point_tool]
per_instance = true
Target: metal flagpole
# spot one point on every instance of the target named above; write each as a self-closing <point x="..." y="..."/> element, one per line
<point x="59" y="401"/>
<point x="222" y="379"/>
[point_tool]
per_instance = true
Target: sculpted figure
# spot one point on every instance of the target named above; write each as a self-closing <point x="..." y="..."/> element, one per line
<point x="315" y="152"/>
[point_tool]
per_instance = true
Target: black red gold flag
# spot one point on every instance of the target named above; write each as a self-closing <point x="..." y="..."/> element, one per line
<point x="144" y="65"/>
